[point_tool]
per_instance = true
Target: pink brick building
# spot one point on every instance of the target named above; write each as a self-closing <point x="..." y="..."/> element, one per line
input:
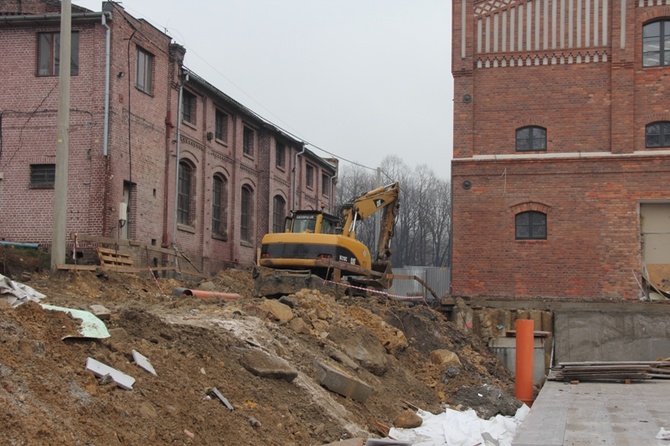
<point x="203" y="174"/>
<point x="561" y="147"/>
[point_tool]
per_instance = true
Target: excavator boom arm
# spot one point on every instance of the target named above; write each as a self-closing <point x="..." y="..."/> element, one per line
<point x="384" y="198"/>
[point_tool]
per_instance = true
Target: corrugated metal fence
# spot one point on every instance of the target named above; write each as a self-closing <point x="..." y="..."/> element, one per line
<point x="439" y="279"/>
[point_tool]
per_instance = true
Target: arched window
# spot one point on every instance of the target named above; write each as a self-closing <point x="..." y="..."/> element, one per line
<point x="246" y="214"/>
<point x="278" y="213"/>
<point x="657" y="134"/>
<point x="219" y="205"/>
<point x="185" y="193"/>
<point x="531" y="138"/>
<point x="531" y="225"/>
<point x="656" y="44"/>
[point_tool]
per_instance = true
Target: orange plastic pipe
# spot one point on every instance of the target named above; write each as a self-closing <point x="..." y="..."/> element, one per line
<point x="525" y="335"/>
<point x="209" y="294"/>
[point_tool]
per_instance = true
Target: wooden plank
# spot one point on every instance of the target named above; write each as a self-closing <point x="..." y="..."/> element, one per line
<point x="656" y="363"/>
<point x="70" y="267"/>
<point x="122" y="242"/>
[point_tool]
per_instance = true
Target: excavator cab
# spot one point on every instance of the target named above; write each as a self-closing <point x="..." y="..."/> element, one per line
<point x="311" y="222"/>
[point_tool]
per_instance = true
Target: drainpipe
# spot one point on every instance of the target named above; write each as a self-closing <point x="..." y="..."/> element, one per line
<point x="332" y="194"/>
<point x="295" y="175"/>
<point x="176" y="179"/>
<point x="105" y="135"/>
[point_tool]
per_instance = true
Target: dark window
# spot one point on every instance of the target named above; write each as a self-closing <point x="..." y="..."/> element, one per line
<point x="529" y="139"/>
<point x="246" y="214"/>
<point x="278" y="213"/>
<point x="657" y="134"/>
<point x="185" y="193"/>
<point x="48" y="60"/>
<point x="531" y="225"/>
<point x="280" y="152"/>
<point x="325" y="184"/>
<point x="188" y="107"/>
<point x="656" y="44"/>
<point x="221" y="126"/>
<point x="144" y="71"/>
<point x="248" y="142"/>
<point x="309" y="176"/>
<point x="219" y="205"/>
<point x="42" y="176"/>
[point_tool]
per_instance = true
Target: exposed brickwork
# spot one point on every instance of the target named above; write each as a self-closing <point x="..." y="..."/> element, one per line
<point x="140" y="162"/>
<point x="589" y="182"/>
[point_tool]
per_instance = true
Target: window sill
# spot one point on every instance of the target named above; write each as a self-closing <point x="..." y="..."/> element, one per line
<point x="221" y="141"/>
<point x="248" y="156"/>
<point x="223" y="238"/>
<point x="42" y="186"/>
<point x="531" y="240"/>
<point x="143" y="91"/>
<point x="282" y="168"/>
<point x="189" y="124"/>
<point x="186" y="228"/>
<point x="246" y="243"/>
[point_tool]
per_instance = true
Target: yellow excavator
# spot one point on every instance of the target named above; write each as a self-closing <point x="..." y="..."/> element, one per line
<point x="319" y="250"/>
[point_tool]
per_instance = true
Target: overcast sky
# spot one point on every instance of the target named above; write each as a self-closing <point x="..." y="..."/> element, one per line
<point x="361" y="79"/>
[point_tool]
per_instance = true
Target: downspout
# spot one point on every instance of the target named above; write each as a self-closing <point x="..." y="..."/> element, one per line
<point x="105" y="135"/>
<point x="295" y="176"/>
<point x="332" y="194"/>
<point x="176" y="178"/>
<point x="105" y="131"/>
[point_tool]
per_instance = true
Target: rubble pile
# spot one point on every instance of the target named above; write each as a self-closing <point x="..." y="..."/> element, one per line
<point x="307" y="369"/>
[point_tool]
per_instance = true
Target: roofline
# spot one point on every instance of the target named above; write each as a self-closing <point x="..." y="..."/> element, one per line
<point x="264" y="122"/>
<point x="41" y="19"/>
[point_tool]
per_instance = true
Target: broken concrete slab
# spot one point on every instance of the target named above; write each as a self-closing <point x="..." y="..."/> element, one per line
<point x="101" y="312"/>
<point x="100" y="370"/>
<point x="368" y="351"/>
<point x="341" y="357"/>
<point x="338" y="381"/>
<point x="264" y="365"/>
<point x="143" y="362"/>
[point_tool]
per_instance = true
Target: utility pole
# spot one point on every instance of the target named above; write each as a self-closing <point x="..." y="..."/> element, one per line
<point x="62" y="138"/>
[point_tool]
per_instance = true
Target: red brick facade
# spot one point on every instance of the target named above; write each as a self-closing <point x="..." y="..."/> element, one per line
<point x="138" y="162"/>
<point x="576" y="72"/>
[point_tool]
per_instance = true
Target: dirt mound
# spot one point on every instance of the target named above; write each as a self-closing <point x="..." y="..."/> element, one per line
<point x="195" y="345"/>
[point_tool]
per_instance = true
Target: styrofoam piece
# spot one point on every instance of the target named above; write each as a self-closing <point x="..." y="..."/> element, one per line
<point x="99" y="369"/>
<point x="143" y="362"/>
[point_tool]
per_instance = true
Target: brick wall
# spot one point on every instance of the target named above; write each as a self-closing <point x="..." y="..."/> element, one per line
<point x="595" y="102"/>
<point x="141" y="156"/>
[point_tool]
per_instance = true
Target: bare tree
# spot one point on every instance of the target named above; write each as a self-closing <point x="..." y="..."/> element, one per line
<point x="424" y="221"/>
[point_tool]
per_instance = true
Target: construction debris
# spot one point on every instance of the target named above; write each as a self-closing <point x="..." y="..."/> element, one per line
<point x="18" y="293"/>
<point x="609" y="371"/>
<point x="143" y="362"/>
<point x="214" y="391"/>
<point x="103" y="370"/>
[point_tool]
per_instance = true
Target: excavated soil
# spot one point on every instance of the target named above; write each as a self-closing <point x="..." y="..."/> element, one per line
<point x="196" y="344"/>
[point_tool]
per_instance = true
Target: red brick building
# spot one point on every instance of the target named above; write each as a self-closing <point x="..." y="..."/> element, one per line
<point x="210" y="184"/>
<point x="561" y="147"/>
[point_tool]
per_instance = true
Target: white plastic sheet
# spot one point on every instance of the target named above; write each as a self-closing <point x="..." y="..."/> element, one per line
<point x="454" y="428"/>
